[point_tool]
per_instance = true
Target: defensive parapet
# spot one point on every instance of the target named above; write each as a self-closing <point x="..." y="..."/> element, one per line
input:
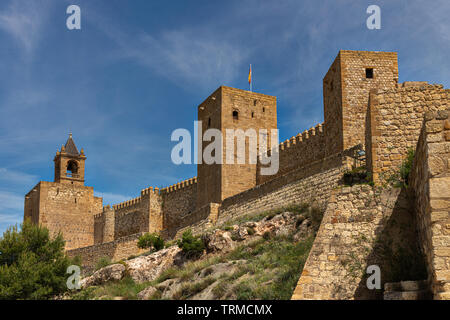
<point x="393" y="123"/>
<point x="180" y="185"/>
<point x="127" y="204"/>
<point x="178" y="199"/>
<point x="150" y="190"/>
<point x="297" y="151"/>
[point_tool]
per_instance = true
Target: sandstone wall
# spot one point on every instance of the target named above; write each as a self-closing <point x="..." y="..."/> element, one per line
<point x="129" y="218"/>
<point x="356" y="86"/>
<point x="178" y="201"/>
<point x="360" y="227"/>
<point x="198" y="221"/>
<point x="66" y="208"/>
<point x="255" y="111"/>
<point x="151" y="204"/>
<point x="430" y="183"/>
<point x="230" y="108"/>
<point x="115" y="250"/>
<point x="311" y="183"/>
<point x="332" y="109"/>
<point x="297" y="151"/>
<point x="395" y="117"/>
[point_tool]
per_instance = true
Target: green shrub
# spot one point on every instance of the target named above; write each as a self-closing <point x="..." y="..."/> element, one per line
<point x="250" y="231"/>
<point x="192" y="246"/>
<point x="169" y="243"/>
<point x="76" y="261"/>
<point x="405" y="168"/>
<point x="151" y="240"/>
<point x="103" y="262"/>
<point x="267" y="235"/>
<point x="400" y="179"/>
<point x="357" y="175"/>
<point x="32" y="265"/>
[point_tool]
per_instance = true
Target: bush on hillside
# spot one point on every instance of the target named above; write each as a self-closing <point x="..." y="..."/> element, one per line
<point x="151" y="240"/>
<point x="32" y="265"/>
<point x="191" y="245"/>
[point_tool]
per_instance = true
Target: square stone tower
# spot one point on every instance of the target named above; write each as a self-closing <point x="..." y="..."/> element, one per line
<point x="230" y="108"/>
<point x="346" y="88"/>
<point x="65" y="205"/>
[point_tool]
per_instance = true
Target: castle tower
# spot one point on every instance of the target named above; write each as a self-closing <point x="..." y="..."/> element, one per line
<point x="65" y="205"/>
<point x="230" y="108"/>
<point x="346" y="88"/>
<point x="69" y="164"/>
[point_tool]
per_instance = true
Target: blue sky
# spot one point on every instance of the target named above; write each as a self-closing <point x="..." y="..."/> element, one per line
<point x="137" y="70"/>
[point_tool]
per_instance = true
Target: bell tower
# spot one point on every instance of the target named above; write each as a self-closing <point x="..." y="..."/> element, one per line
<point x="69" y="164"/>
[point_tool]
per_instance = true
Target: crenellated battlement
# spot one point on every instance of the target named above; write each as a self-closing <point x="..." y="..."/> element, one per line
<point x="127" y="204"/>
<point x="180" y="185"/>
<point x="149" y="190"/>
<point x="302" y="137"/>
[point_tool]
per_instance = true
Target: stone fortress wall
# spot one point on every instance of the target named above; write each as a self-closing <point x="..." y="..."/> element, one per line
<point x="365" y="111"/>
<point x="412" y="115"/>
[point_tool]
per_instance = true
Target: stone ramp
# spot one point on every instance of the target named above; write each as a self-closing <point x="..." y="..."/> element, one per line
<point x="407" y="290"/>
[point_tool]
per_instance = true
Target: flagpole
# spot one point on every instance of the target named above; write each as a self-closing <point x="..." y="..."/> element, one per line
<point x="251" y="77"/>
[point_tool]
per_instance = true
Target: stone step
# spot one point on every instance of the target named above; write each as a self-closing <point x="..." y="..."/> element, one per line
<point x="407" y="295"/>
<point x="405" y="286"/>
<point x="442" y="296"/>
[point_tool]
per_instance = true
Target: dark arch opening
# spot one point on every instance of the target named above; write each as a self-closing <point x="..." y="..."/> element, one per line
<point x="72" y="168"/>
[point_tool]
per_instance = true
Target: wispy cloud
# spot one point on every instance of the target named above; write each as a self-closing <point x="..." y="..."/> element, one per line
<point x="16" y="177"/>
<point x="23" y="21"/>
<point x="10" y="219"/>
<point x="10" y="201"/>
<point x="190" y="56"/>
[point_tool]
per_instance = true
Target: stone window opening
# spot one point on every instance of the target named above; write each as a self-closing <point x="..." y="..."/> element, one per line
<point x="254" y="102"/>
<point x="264" y="109"/>
<point x="72" y="169"/>
<point x="369" y="73"/>
<point x="209" y="122"/>
<point x="253" y="114"/>
<point x="235" y="115"/>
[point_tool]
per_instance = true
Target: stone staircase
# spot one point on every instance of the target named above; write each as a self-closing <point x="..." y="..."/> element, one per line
<point x="407" y="290"/>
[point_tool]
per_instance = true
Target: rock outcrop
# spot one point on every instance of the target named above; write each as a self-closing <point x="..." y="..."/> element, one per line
<point x="109" y="273"/>
<point x="148" y="268"/>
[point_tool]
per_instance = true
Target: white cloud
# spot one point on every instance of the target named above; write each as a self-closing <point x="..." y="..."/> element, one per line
<point x="17" y="177"/>
<point x="11" y="201"/>
<point x="23" y="21"/>
<point x="10" y="218"/>
<point x="187" y="56"/>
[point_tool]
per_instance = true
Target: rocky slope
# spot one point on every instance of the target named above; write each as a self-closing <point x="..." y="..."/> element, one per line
<point x="257" y="257"/>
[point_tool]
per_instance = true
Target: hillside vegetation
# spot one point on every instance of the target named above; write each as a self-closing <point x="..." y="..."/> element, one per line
<point x="254" y="257"/>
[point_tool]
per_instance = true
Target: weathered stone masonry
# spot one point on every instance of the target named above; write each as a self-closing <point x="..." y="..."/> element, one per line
<point x="365" y="110"/>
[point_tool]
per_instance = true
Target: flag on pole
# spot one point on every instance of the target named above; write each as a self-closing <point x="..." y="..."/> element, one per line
<point x="250" y="77"/>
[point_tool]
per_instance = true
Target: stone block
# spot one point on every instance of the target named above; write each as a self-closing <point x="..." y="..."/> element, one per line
<point x="433" y="126"/>
<point x="439" y="187"/>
